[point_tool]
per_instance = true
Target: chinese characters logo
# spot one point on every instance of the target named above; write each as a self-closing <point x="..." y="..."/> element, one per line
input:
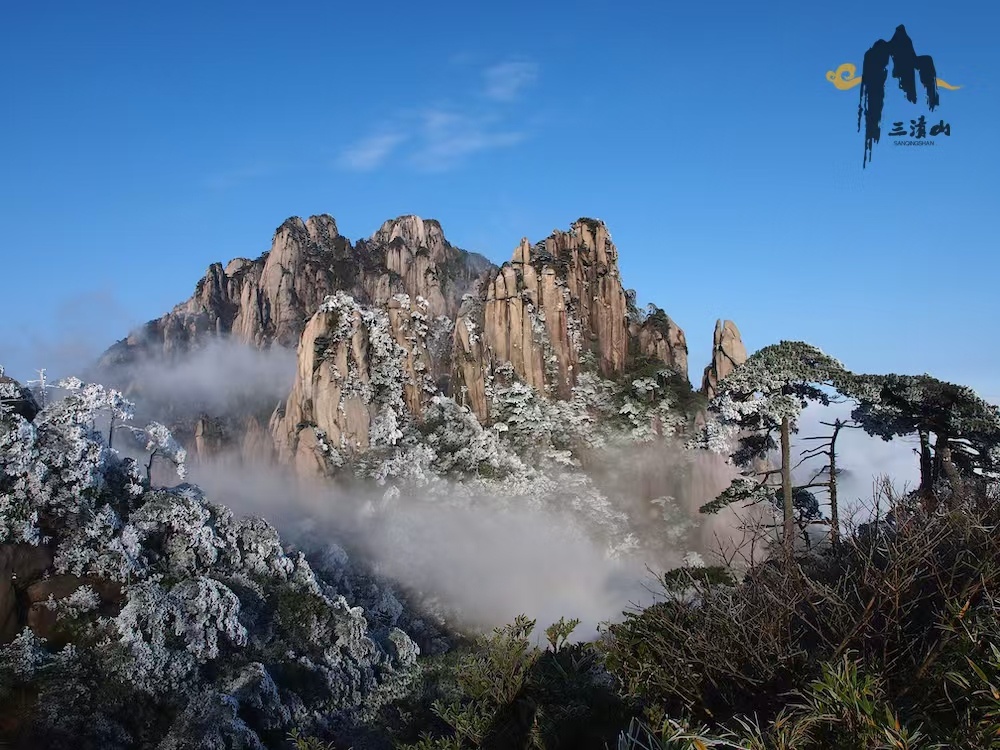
<point x="908" y="68"/>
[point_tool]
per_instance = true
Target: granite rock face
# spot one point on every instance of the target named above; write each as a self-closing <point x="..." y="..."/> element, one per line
<point x="383" y="324"/>
<point x="359" y="369"/>
<point x="659" y="338"/>
<point x="20" y="566"/>
<point x="554" y="308"/>
<point x="728" y="353"/>
<point x="17" y="397"/>
<point x="269" y="300"/>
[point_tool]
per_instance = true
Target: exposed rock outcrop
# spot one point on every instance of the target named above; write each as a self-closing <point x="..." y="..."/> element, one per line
<point x="551" y="309"/>
<point x="449" y="321"/>
<point x="27" y="598"/>
<point x="256" y="444"/>
<point x="209" y="438"/>
<point x="269" y="300"/>
<point x="241" y="435"/>
<point x="728" y="353"/>
<point x="358" y="370"/>
<point x="20" y="566"/>
<point x="659" y="338"/>
<point x="44" y="595"/>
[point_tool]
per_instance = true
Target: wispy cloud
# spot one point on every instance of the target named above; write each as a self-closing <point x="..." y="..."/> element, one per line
<point x="447" y="137"/>
<point x="67" y="335"/>
<point x="504" y="82"/>
<point x="371" y="152"/>
<point x="441" y="138"/>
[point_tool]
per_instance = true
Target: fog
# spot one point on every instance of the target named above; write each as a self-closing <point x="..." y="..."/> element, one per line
<point x="219" y="377"/>
<point x="861" y="457"/>
<point x="483" y="560"/>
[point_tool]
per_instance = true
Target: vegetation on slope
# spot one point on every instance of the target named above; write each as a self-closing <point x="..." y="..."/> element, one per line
<point x="177" y="625"/>
<point x="151" y="617"/>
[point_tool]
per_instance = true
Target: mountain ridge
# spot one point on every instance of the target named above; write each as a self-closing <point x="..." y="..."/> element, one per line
<point x="450" y="323"/>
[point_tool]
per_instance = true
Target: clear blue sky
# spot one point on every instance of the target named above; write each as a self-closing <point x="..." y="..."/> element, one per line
<point x="140" y="142"/>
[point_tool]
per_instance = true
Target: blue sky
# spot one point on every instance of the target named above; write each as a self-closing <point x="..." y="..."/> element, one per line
<point x="141" y="142"/>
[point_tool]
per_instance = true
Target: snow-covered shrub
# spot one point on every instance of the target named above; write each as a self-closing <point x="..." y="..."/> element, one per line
<point x="219" y="632"/>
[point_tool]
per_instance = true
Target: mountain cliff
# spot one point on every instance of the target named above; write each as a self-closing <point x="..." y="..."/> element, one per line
<point x="555" y="309"/>
<point x="269" y="300"/>
<point x="383" y="325"/>
<point x="360" y="369"/>
<point x="728" y="353"/>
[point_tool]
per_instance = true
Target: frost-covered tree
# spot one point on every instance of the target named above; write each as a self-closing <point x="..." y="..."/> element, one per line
<point x="576" y="456"/>
<point x="41" y="387"/>
<point x="157" y="441"/>
<point x="452" y="459"/>
<point x="959" y="432"/>
<point x="171" y="623"/>
<point x="758" y="400"/>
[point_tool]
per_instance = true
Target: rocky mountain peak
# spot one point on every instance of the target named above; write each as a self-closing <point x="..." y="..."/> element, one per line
<point x="415" y="233"/>
<point x="384" y="324"/>
<point x="322" y="228"/>
<point x="554" y="307"/>
<point x="269" y="300"/>
<point x="728" y="353"/>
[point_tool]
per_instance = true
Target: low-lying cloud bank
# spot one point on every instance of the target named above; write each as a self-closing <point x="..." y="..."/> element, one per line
<point x="483" y="563"/>
<point x="862" y="458"/>
<point x="220" y="377"/>
<point x="487" y="560"/>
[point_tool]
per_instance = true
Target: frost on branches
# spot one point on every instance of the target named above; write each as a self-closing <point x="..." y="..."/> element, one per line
<point x="452" y="458"/>
<point x="529" y="457"/>
<point x="775" y="384"/>
<point x="159" y="442"/>
<point x="211" y="620"/>
<point x="377" y="376"/>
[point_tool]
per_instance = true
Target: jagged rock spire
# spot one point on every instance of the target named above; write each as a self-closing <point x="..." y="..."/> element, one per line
<point x="728" y="353"/>
<point x="551" y="308"/>
<point x="269" y="300"/>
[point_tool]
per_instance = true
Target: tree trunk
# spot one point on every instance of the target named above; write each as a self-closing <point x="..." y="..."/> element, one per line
<point x="834" y="510"/>
<point x="786" y="486"/>
<point x="937" y="464"/>
<point x="942" y="452"/>
<point x="926" y="490"/>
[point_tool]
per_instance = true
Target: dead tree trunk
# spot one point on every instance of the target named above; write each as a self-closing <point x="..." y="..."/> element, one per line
<point x="786" y="486"/>
<point x="942" y="452"/>
<point x="926" y="490"/>
<point x="834" y="508"/>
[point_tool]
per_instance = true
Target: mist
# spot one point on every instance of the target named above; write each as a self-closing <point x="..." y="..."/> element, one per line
<point x="66" y="338"/>
<point x="862" y="458"/>
<point x="481" y="563"/>
<point x="484" y="562"/>
<point x="484" y="559"/>
<point x="220" y="377"/>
